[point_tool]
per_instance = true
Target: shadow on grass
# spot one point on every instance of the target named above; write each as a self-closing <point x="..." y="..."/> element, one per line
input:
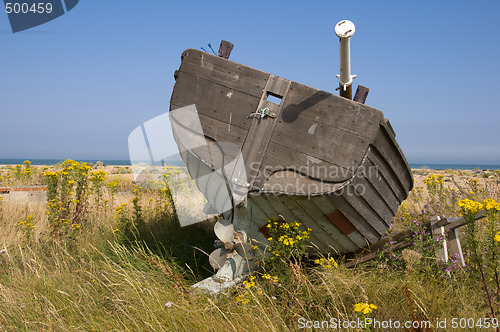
<point x="188" y="247"/>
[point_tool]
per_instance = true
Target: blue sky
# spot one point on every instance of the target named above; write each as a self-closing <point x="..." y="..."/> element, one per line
<point x="77" y="86"/>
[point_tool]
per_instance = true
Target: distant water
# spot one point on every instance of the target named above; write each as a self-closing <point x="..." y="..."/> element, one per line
<point x="92" y="161"/>
<point x="177" y="163"/>
<point x="455" y="166"/>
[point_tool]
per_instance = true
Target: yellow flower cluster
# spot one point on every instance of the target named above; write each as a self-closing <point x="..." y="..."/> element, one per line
<point x="434" y="179"/>
<point x="288" y="240"/>
<point x="364" y="308"/>
<point x="329" y="263"/>
<point x="28" y="223"/>
<point x="250" y="282"/>
<point x="490" y="204"/>
<point x="50" y="173"/>
<point x="119" y="210"/>
<point x="470" y="205"/>
<point x="112" y="185"/>
<point x="242" y="298"/>
<point x="98" y="176"/>
<point x="269" y="277"/>
<point x="497" y="237"/>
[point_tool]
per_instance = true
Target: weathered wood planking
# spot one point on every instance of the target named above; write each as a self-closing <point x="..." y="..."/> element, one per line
<point x="214" y="100"/>
<point x="329" y="236"/>
<point x="303" y="101"/>
<point x="309" y="206"/>
<point x="327" y="143"/>
<point x="388" y="148"/>
<point x="259" y="134"/>
<point x="225" y="49"/>
<point x="366" y="178"/>
<point x="280" y="157"/>
<point x="266" y="204"/>
<point x="361" y="94"/>
<point x="290" y="182"/>
<point x="223" y="72"/>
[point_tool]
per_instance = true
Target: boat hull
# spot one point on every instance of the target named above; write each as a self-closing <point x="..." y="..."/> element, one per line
<point x="329" y="162"/>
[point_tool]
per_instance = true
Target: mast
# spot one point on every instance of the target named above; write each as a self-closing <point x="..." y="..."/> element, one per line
<point x="344" y="30"/>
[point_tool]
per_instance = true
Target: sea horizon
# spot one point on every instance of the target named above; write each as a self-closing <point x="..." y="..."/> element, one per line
<point x="179" y="163"/>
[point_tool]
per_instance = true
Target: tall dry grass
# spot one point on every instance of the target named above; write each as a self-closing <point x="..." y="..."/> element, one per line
<point x="98" y="281"/>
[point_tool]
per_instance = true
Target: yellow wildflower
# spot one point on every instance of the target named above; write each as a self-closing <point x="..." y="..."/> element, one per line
<point x="364" y="308"/>
<point x="470" y="205"/>
<point x="490" y="204"/>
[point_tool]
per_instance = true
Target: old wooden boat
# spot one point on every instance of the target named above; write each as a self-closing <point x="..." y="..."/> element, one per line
<point x="305" y="154"/>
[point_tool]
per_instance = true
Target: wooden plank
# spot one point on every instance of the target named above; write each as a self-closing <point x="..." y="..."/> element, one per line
<point x="361" y="94"/>
<point x="454" y="247"/>
<point x="358" y="219"/>
<point x="257" y="214"/>
<point x="365" y="191"/>
<point x="454" y="223"/>
<point x="215" y="101"/>
<point x="387" y="147"/>
<point x="322" y="141"/>
<point x="221" y="131"/>
<point x="403" y="239"/>
<point x="336" y="200"/>
<point x="364" y="209"/>
<point x="280" y="157"/>
<point x="289" y="182"/>
<point x="372" y="255"/>
<point x="439" y="232"/>
<point x="388" y="174"/>
<point x="340" y="221"/>
<point x="258" y="137"/>
<point x="304" y="101"/>
<point x="325" y="241"/>
<point x="225" y="49"/>
<point x="223" y="72"/>
<point x="380" y="184"/>
<point x="312" y="209"/>
<point x="27" y="188"/>
<point x="267" y="204"/>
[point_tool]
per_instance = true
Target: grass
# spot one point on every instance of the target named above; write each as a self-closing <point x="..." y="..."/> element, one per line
<point x="100" y="280"/>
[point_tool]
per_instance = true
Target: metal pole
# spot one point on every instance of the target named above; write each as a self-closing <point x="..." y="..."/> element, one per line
<point x="344" y="30"/>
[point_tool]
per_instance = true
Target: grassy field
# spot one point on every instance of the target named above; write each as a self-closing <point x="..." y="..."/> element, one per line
<point x="101" y="254"/>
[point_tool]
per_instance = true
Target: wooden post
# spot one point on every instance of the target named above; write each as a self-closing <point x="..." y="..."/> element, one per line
<point x="455" y="247"/>
<point x="225" y="49"/>
<point x="446" y="226"/>
<point x="347" y="93"/>
<point x="361" y="94"/>
<point x="438" y="232"/>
